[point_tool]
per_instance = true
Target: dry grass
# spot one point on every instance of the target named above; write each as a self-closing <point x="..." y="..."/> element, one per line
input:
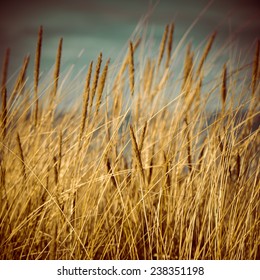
<point x="149" y="175"/>
<point x="36" y="74"/>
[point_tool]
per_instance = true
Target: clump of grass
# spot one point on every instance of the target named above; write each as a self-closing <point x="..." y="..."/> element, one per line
<point x="140" y="172"/>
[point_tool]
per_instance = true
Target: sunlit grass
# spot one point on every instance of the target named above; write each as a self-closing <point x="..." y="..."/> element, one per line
<point x="138" y="168"/>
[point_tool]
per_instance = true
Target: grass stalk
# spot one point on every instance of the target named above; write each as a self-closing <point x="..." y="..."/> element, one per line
<point x="36" y="75"/>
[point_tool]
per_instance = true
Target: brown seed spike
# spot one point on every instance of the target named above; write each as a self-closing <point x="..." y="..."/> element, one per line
<point x="60" y="150"/>
<point x="5" y="68"/>
<point x="131" y="68"/>
<point x="26" y="62"/>
<point x="36" y="74"/>
<point x="224" y="87"/>
<point x="85" y="100"/>
<point x="189" y="157"/>
<point x="255" y="68"/>
<point x="4" y="111"/>
<point x="95" y="81"/>
<point x="238" y="160"/>
<point x="101" y="86"/>
<point x="55" y="169"/>
<point x="206" y="52"/>
<point x="38" y="60"/>
<point x="187" y="68"/>
<point x="162" y="46"/>
<point x="169" y="46"/>
<point x="21" y="155"/>
<point x="57" y="68"/>
<point x="20" y="80"/>
<point x="56" y="75"/>
<point x="125" y="63"/>
<point x="88" y="78"/>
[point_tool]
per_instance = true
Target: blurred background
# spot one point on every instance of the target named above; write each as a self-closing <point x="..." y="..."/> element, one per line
<point x="89" y="27"/>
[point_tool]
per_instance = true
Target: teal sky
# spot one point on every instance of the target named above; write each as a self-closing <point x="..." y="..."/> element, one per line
<point x="89" y="27"/>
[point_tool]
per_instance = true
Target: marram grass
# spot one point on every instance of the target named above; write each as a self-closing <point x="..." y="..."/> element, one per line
<point x="138" y="168"/>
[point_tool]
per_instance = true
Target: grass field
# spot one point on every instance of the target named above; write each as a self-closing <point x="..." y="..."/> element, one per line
<point x="138" y="167"/>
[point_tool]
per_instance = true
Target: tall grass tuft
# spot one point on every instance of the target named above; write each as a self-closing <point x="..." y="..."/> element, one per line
<point x="140" y="166"/>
